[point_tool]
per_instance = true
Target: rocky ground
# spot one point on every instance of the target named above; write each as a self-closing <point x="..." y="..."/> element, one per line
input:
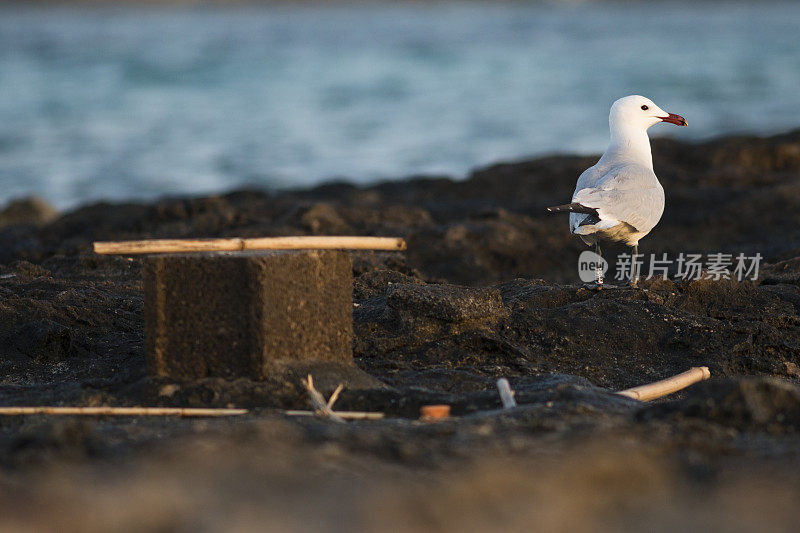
<point x="488" y="288"/>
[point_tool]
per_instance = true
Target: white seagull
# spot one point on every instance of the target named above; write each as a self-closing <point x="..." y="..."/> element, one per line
<point x="620" y="198"/>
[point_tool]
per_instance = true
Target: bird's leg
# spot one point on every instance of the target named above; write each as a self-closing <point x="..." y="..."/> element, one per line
<point x="599" y="270"/>
<point x="635" y="266"/>
<point x="599" y="281"/>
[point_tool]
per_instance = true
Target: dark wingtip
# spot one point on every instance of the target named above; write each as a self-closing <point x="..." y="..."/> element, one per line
<point x="572" y="208"/>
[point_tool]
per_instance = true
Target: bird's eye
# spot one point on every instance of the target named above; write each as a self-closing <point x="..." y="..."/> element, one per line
<point x="645" y="108"/>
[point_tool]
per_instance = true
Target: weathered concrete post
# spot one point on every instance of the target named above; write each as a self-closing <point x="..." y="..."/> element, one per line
<point x="233" y="314"/>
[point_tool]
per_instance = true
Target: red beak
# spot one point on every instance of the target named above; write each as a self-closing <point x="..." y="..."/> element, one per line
<point x="674" y="119"/>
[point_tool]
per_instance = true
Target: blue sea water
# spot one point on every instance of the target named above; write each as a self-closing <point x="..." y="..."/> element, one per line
<point x="101" y="102"/>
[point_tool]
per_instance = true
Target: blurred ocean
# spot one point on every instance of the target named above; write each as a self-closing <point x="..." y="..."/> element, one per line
<point x="136" y="102"/>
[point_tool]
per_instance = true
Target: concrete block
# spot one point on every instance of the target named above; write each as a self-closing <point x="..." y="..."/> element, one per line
<point x="234" y="314"/>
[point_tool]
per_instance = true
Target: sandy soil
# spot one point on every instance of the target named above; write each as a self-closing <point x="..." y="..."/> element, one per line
<point x="487" y="289"/>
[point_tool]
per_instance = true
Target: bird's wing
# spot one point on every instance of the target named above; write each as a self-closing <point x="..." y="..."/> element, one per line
<point x="588" y="178"/>
<point x="630" y="194"/>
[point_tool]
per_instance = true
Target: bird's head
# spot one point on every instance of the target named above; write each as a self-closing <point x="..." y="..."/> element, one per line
<point x="640" y="113"/>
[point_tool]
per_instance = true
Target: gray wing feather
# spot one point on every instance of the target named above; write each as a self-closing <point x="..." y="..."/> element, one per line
<point x="630" y="194"/>
<point x="588" y="178"/>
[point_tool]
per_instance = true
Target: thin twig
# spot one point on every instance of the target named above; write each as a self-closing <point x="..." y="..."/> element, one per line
<point x="318" y="401"/>
<point x="347" y="415"/>
<point x="667" y="386"/>
<point x="120" y="411"/>
<point x="335" y="396"/>
<point x="506" y="394"/>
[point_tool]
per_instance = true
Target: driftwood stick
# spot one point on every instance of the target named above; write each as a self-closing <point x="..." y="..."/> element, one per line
<point x="325" y="409"/>
<point x="340" y="242"/>
<point x="335" y="396"/>
<point x="318" y="401"/>
<point x="667" y="386"/>
<point x="120" y="411"/>
<point x="161" y="246"/>
<point x="506" y="394"/>
<point x="347" y="415"/>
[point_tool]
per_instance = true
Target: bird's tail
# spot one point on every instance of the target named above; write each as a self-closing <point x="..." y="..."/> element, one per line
<point x="573" y="208"/>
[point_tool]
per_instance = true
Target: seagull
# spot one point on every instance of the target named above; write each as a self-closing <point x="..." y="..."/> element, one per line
<point x="619" y="199"/>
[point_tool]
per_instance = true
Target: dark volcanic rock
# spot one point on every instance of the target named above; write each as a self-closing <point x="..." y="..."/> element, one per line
<point x="375" y="283"/>
<point x="491" y="228"/>
<point x="52" y="442"/>
<point x="762" y="404"/>
<point x="31" y="211"/>
<point x="45" y="341"/>
<point x="445" y="302"/>
<point x="488" y="288"/>
<point x="617" y="338"/>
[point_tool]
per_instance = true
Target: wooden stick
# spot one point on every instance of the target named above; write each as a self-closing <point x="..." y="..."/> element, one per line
<point x="335" y="396"/>
<point x="506" y="394"/>
<point x="162" y="246"/>
<point x="120" y="411"/>
<point x="334" y="242"/>
<point x="318" y="401"/>
<point x="645" y="393"/>
<point x="347" y="415"/>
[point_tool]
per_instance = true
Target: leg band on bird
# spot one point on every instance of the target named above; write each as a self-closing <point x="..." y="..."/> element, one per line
<point x="599" y="268"/>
